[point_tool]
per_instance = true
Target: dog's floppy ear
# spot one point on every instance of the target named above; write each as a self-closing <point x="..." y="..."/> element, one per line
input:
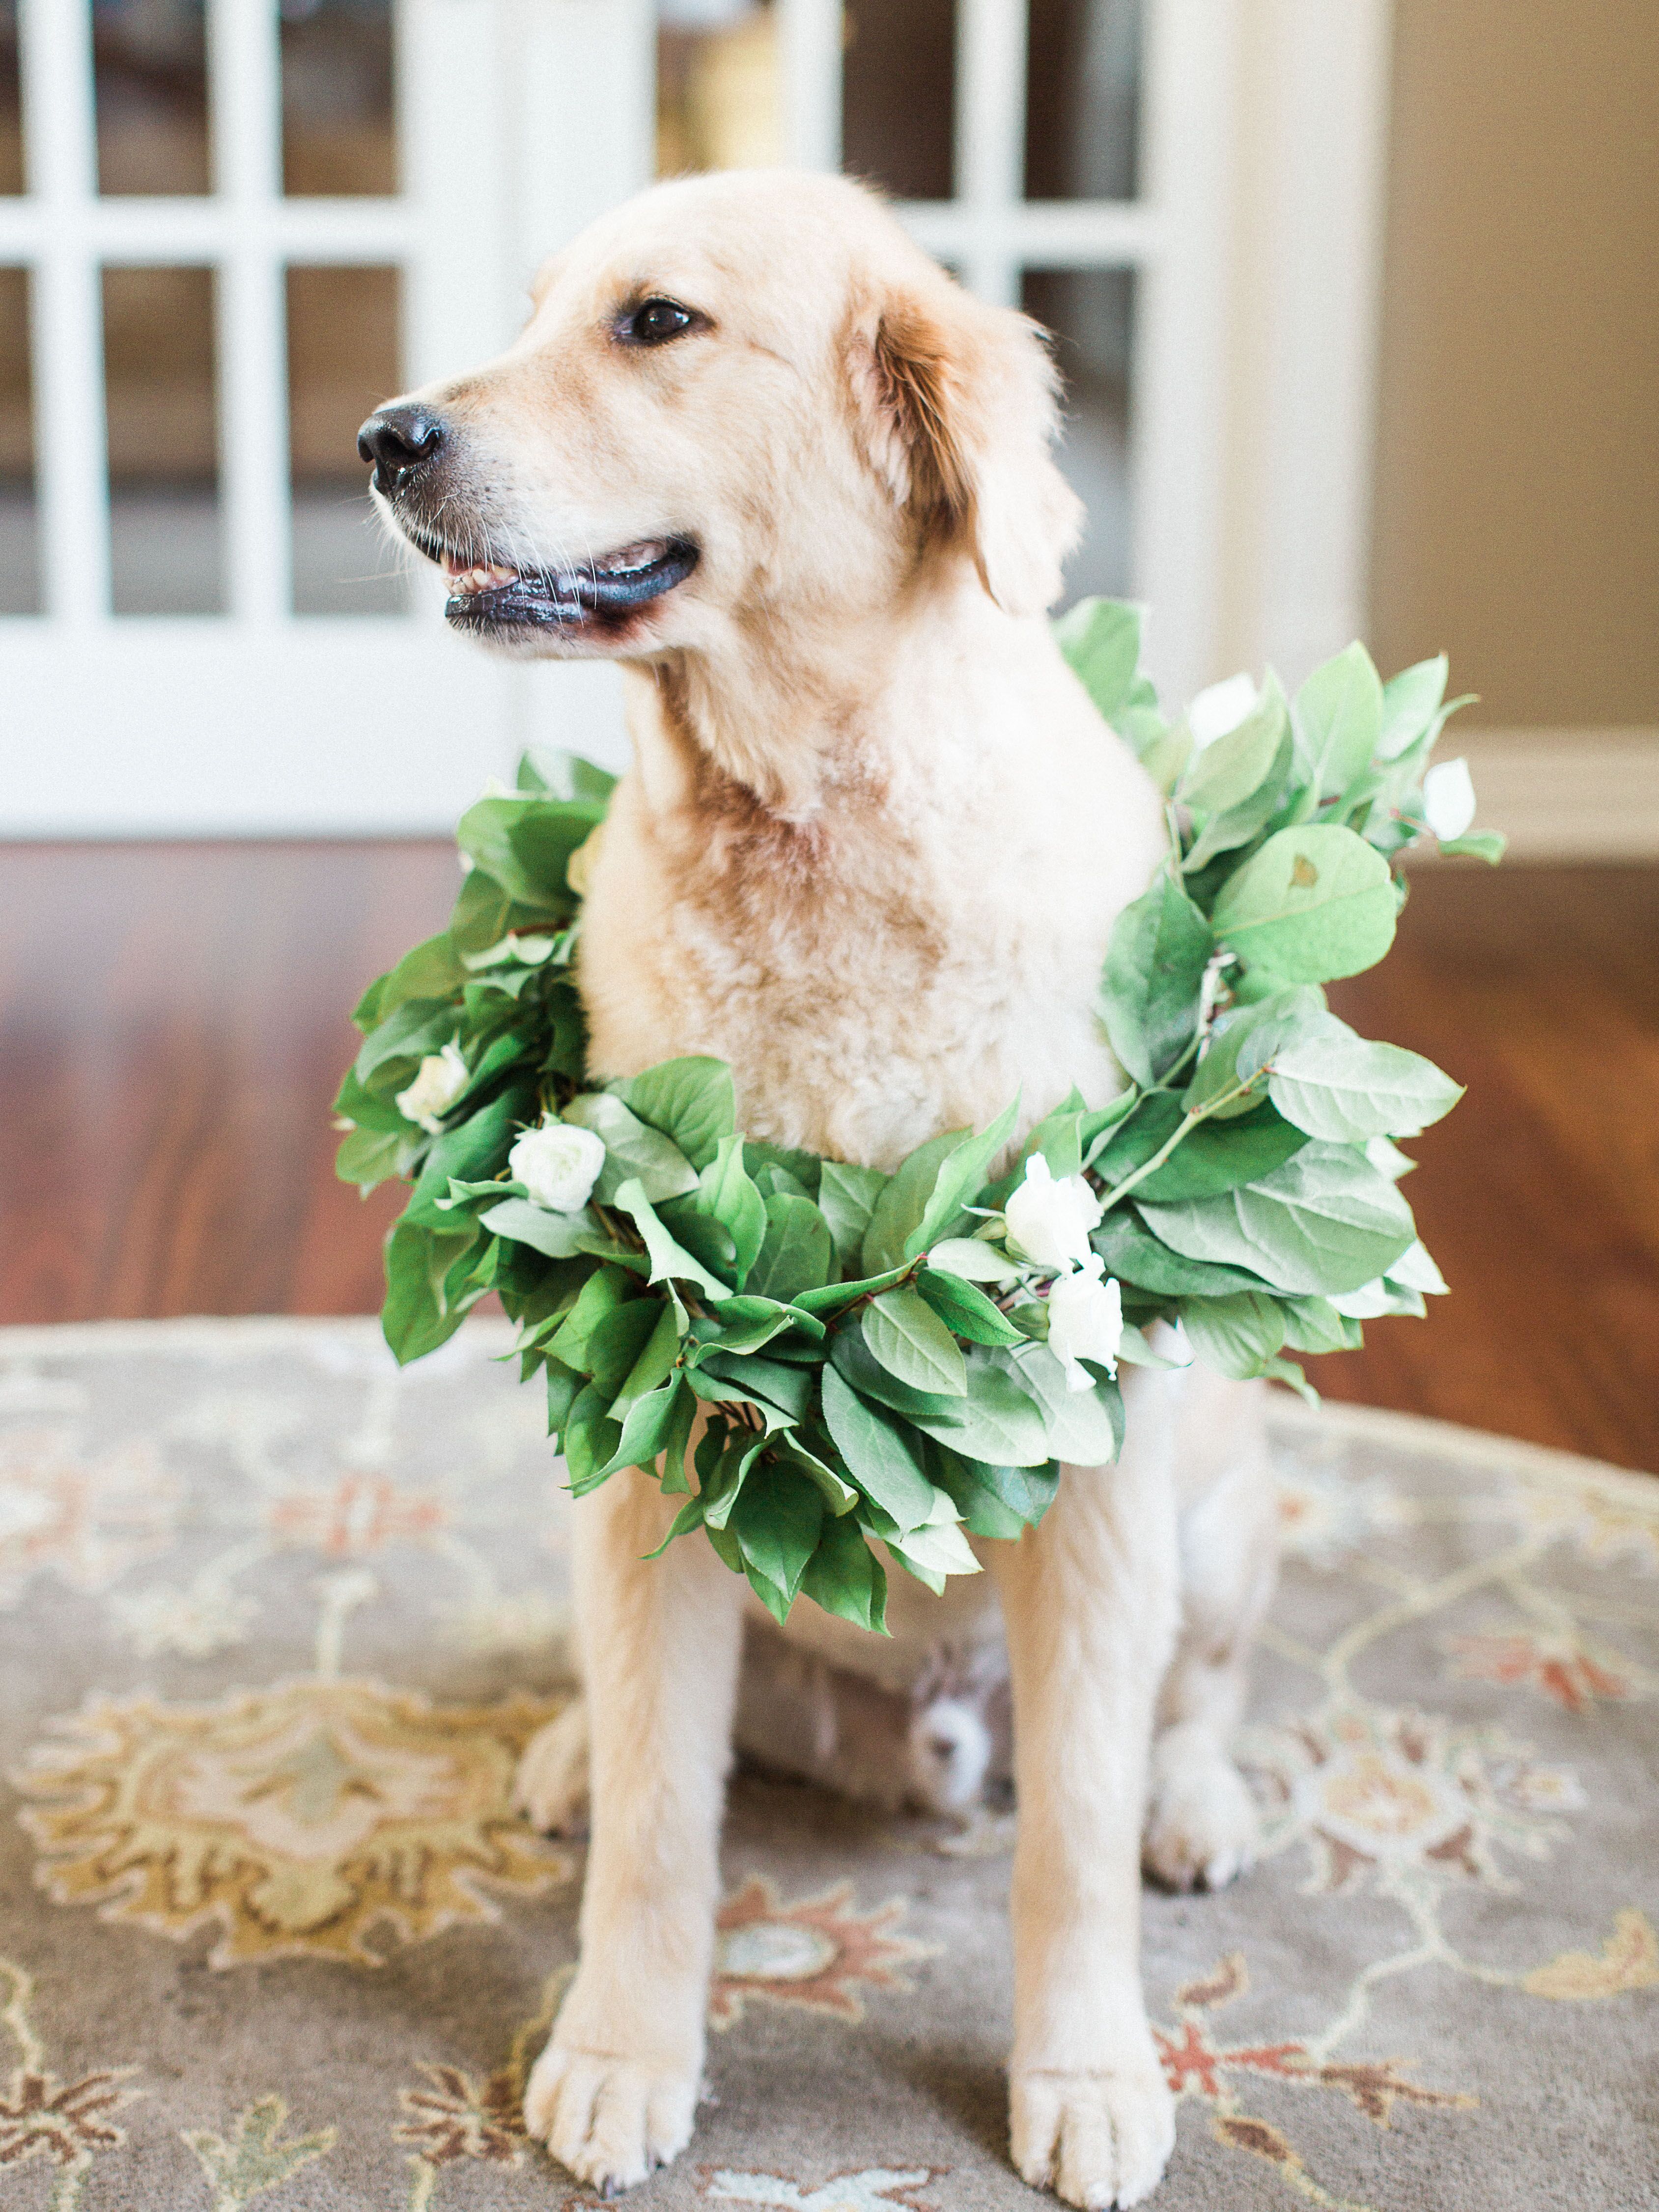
<point x="956" y="408"/>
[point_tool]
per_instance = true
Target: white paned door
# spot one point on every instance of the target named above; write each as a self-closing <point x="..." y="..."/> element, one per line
<point x="268" y="709"/>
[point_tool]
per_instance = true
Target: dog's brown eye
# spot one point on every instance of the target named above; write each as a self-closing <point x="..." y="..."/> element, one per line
<point x="655" y="321"/>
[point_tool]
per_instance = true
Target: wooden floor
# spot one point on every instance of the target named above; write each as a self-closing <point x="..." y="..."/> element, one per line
<point x="173" y="1022"/>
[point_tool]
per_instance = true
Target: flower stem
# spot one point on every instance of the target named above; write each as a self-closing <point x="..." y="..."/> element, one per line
<point x="1184" y="1129"/>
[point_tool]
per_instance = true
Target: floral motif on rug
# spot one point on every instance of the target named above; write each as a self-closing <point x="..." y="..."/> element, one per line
<point x="300" y="1819"/>
<point x="818" y="1954"/>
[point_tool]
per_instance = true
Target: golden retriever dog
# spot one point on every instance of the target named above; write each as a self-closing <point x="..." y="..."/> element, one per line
<point x="755" y="446"/>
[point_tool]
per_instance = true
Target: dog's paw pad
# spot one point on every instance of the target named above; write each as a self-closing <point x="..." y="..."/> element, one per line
<point x="608" y="2121"/>
<point x="550" y="1787"/>
<point x="1096" y="2140"/>
<point x="1202" y="1828"/>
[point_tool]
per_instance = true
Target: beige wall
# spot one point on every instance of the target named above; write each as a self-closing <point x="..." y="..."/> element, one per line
<point x="1516" y="518"/>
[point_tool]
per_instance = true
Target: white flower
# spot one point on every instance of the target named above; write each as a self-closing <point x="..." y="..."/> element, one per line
<point x="1218" y="711"/>
<point x="1448" y="799"/>
<point x="1050" y="1221"/>
<point x="439" y="1082"/>
<point x="558" y="1164"/>
<point x="1086" y="1321"/>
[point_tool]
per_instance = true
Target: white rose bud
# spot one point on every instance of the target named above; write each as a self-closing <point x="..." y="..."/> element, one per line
<point x="439" y="1082"/>
<point x="1218" y="712"/>
<point x="1448" y="799"/>
<point x="1086" y="1321"/>
<point x="558" y="1164"/>
<point x="1050" y="1221"/>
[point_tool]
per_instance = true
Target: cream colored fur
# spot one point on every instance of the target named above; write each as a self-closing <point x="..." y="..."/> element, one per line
<point x="869" y="853"/>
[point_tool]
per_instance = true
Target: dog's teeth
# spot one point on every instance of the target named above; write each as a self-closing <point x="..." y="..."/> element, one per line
<point x="630" y="557"/>
<point x="483" y="576"/>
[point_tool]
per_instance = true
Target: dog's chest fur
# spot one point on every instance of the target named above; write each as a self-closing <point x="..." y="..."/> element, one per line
<point x="905" y="954"/>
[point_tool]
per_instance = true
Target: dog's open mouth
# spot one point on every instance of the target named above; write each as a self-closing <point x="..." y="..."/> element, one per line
<point x="489" y="594"/>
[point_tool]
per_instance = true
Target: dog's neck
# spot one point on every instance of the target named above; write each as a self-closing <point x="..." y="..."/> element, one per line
<point x="788" y="710"/>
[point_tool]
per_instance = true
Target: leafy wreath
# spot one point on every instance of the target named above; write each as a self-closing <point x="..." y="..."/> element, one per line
<point x="901" y="1360"/>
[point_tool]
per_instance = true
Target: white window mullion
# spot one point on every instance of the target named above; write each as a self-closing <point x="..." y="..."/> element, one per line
<point x="990" y="139"/>
<point x="809" y="59"/>
<point x="70" y="423"/>
<point x="245" y="93"/>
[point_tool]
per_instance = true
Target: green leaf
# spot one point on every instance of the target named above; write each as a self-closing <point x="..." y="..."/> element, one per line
<point x="432" y="970"/>
<point x="1338" y="724"/>
<point x="837" y="1493"/>
<point x="910" y="1341"/>
<point x="418" y="1315"/>
<point x="846" y="1197"/>
<point x="618" y="1340"/>
<point x="993" y="1501"/>
<point x="876" y="1453"/>
<point x="972" y="1260"/>
<point x="1083" y="1428"/>
<point x="844" y="1577"/>
<point x="554" y="1234"/>
<point x="1324" y="1221"/>
<point x="796" y="1254"/>
<point x="523" y="843"/>
<point x="1487" y="845"/>
<point x="1218" y="1156"/>
<point x="1137" y="1136"/>
<point x="1154" y="969"/>
<point x="690" y="1100"/>
<point x="669" y="1260"/>
<point x="835" y="1297"/>
<point x="933" y="1553"/>
<point x="726" y="1191"/>
<point x="1101" y="639"/>
<point x="601" y="1295"/>
<point x="759" y="1381"/>
<point x="647" y="1426"/>
<point x="370" y="1156"/>
<point x="561" y="775"/>
<point x="1410" y="701"/>
<point x="1135" y="1256"/>
<point x="1316" y="901"/>
<point x="472" y="1152"/>
<point x="591" y="1438"/>
<point x="1236" y="784"/>
<point x="1344" y="1088"/>
<point x="777" y="1521"/>
<point x="963" y="1307"/>
<point x="960" y="1178"/>
<point x="903" y="1202"/>
<point x="392" y="1052"/>
<point x="1314" y="1325"/>
<point x="1415" y="1270"/>
<point x="997" y="1421"/>
<point x="564" y="1386"/>
<point x="655" y="1362"/>
<point x="743" y="1325"/>
<point x="633" y="1150"/>
<point x="1238" y="1335"/>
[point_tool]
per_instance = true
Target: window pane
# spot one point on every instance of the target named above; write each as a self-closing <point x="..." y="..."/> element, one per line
<point x="1090" y="312"/>
<point x="719" y="100"/>
<point x="151" y="63"/>
<point x="339" y="124"/>
<point x="1083" y="100"/>
<point x="11" y="105"/>
<point x="165" y="546"/>
<point x="20" y="552"/>
<point x="342" y="362"/>
<point x="898" y="86"/>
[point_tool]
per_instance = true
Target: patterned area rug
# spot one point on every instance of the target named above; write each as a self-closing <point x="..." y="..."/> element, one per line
<point x="277" y="1619"/>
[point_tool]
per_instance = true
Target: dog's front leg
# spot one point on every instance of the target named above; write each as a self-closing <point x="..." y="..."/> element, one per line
<point x="1089" y="1599"/>
<point x="614" y="2092"/>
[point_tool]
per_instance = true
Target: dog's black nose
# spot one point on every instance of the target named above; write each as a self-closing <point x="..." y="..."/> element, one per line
<point x="398" y="441"/>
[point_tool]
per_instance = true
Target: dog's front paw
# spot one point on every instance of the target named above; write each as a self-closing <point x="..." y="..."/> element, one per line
<point x="1201" y="1824"/>
<point x="607" y="2119"/>
<point x="1096" y="2139"/>
<point x="550" y="1787"/>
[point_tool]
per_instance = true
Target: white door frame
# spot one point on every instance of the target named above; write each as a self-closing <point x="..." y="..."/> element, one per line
<point x="1257" y="250"/>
